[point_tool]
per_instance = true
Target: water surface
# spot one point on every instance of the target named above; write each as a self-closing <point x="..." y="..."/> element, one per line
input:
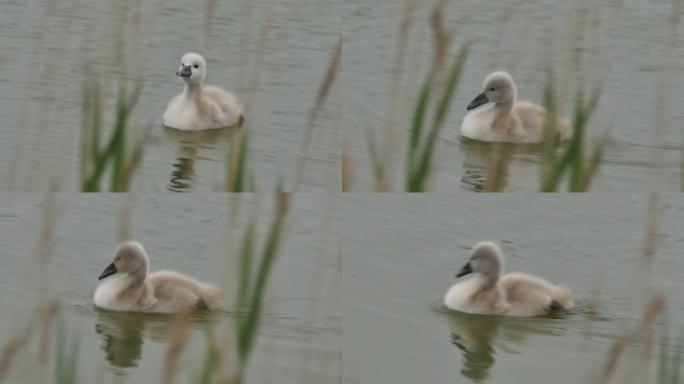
<point x="300" y="333"/>
<point x="401" y="253"/>
<point x="52" y="49"/>
<point x="629" y="49"/>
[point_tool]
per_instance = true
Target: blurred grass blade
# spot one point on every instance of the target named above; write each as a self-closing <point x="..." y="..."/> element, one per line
<point x="452" y="81"/>
<point x="581" y="171"/>
<point x="421" y="151"/>
<point x="250" y="322"/>
<point x="67" y="358"/>
<point x="423" y="170"/>
<point x="237" y="164"/>
<point x="242" y="163"/>
<point x="210" y="362"/>
<point x="378" y="170"/>
<point x="94" y="162"/>
<point x="91" y="126"/>
<point x="419" y="116"/>
<point x="246" y="257"/>
<point x="324" y="88"/>
<point x="253" y="287"/>
<point x="550" y="140"/>
<point x="132" y="164"/>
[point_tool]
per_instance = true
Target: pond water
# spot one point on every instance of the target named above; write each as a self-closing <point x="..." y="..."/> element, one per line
<point x="52" y="49"/>
<point x="300" y="335"/>
<point x="630" y="46"/>
<point x="401" y="253"/>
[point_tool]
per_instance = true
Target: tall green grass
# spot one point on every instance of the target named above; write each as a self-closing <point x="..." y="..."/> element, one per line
<point x="669" y="369"/>
<point x="324" y="89"/>
<point x="432" y="107"/>
<point x="573" y="165"/>
<point x="254" y="276"/>
<point x="421" y="146"/>
<point x="236" y="166"/>
<point x="66" y="365"/>
<point x="430" y="112"/>
<point x="97" y="159"/>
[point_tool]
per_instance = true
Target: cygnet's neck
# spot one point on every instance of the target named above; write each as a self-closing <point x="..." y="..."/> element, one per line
<point x="138" y="276"/>
<point x="505" y="107"/>
<point x="502" y="114"/>
<point x="490" y="279"/>
<point x="192" y="91"/>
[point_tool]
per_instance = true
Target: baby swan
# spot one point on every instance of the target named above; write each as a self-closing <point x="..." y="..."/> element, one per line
<point x="133" y="288"/>
<point x="514" y="294"/>
<point x="506" y="119"/>
<point x="201" y="106"/>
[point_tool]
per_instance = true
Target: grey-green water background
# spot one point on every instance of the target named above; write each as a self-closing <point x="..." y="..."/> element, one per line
<point x="299" y="340"/>
<point x="401" y="253"/>
<point x="51" y="49"/>
<point x="628" y="48"/>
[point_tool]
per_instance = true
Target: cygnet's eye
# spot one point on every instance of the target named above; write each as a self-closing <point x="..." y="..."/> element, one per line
<point x="492" y="89"/>
<point x="196" y="66"/>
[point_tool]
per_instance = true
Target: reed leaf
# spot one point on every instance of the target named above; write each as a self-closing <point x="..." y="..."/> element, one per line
<point x="237" y="166"/>
<point x="419" y="115"/>
<point x="94" y="162"/>
<point x="378" y="169"/>
<point x="67" y="359"/>
<point x="581" y="171"/>
<point x="421" y="151"/>
<point x="211" y="359"/>
<point x="253" y="286"/>
<point x="669" y="363"/>
<point x="422" y="170"/>
<point x="246" y="257"/>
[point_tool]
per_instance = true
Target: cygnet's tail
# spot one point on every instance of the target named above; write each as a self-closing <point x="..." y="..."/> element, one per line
<point x="210" y="296"/>
<point x="562" y="299"/>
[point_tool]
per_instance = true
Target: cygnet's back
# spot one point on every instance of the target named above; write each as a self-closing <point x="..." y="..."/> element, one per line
<point x="128" y="287"/>
<point x="174" y="290"/>
<point x="528" y="295"/>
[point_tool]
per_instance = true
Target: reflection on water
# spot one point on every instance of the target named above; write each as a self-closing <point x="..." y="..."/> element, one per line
<point x="486" y="166"/>
<point x="196" y="145"/>
<point x="123" y="333"/>
<point x="479" y="336"/>
<point x="474" y="336"/>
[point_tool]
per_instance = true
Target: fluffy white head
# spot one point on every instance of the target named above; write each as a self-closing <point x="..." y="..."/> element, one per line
<point x="192" y="69"/>
<point x="485" y="259"/>
<point x="129" y="258"/>
<point x="498" y="88"/>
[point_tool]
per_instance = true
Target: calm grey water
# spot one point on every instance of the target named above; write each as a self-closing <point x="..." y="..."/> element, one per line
<point x="401" y="253"/>
<point x="51" y="49"/>
<point x="300" y="337"/>
<point x="634" y="46"/>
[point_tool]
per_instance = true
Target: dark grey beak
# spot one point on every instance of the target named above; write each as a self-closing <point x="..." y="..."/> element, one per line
<point x="184" y="71"/>
<point x="479" y="100"/>
<point x="110" y="270"/>
<point x="467" y="269"/>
